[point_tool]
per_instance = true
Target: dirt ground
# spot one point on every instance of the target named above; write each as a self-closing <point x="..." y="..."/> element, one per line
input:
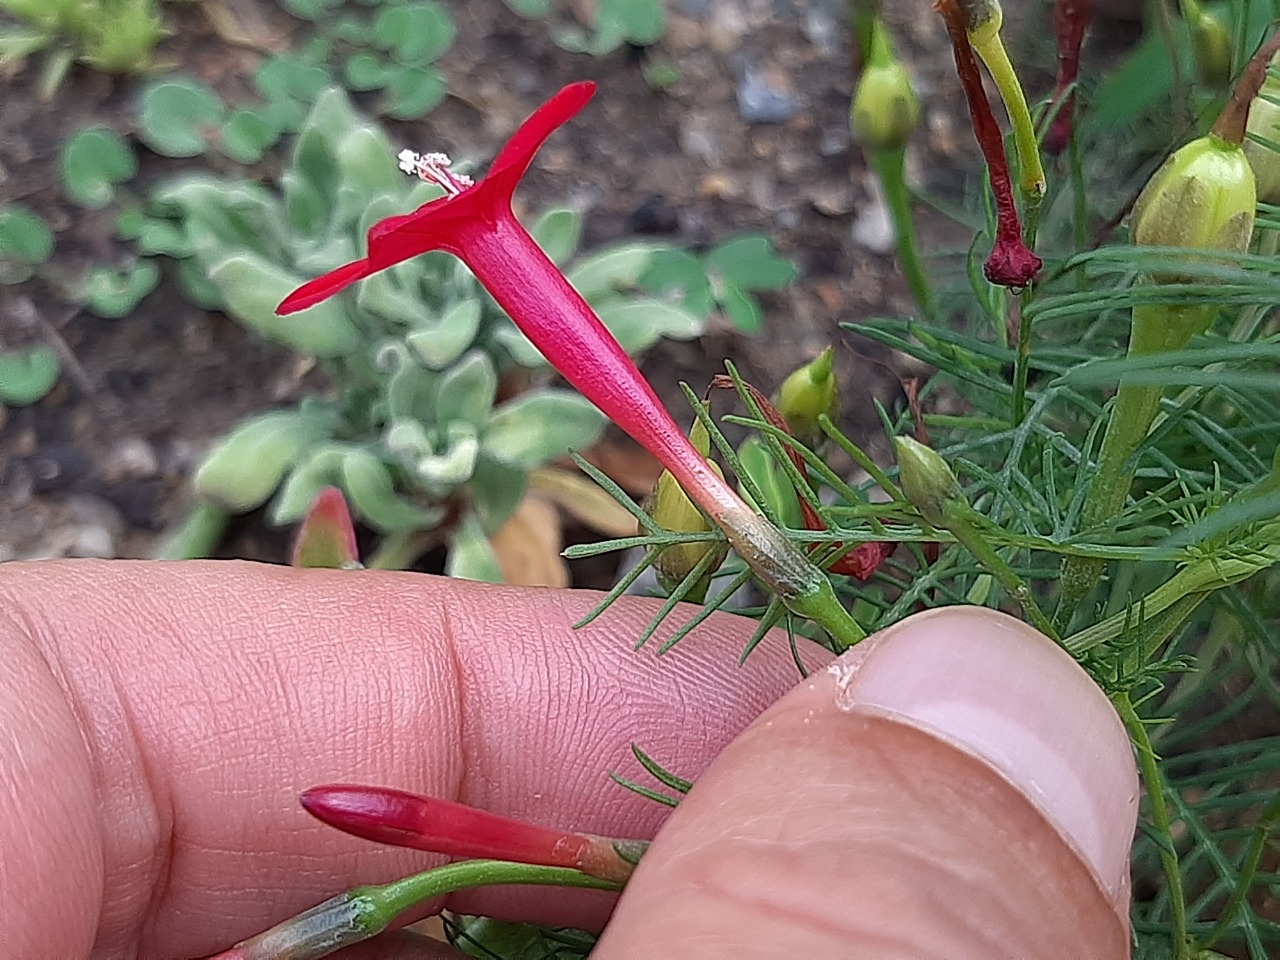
<point x="98" y="467"/>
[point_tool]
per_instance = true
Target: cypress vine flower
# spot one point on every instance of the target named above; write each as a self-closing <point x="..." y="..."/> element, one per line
<point x="1070" y="17"/>
<point x="474" y="221"/>
<point x="441" y="826"/>
<point x="1010" y="263"/>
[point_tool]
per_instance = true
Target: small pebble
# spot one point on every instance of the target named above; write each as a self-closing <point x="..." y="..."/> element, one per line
<point x="766" y="96"/>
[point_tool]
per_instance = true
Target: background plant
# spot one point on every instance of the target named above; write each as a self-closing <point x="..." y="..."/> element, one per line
<point x="118" y="36"/>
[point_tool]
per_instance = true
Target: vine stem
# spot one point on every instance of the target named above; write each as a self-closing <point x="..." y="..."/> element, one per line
<point x="366" y="911"/>
<point x="889" y="166"/>
<point x="1149" y="769"/>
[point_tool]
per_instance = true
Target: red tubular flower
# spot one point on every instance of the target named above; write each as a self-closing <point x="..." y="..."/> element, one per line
<point x="456" y="830"/>
<point x="1070" y="17"/>
<point x="1010" y="264"/>
<point x="475" y="223"/>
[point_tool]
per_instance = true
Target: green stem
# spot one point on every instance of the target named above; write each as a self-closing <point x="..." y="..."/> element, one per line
<point x="986" y="41"/>
<point x="824" y="608"/>
<point x="1268" y="821"/>
<point x="1159" y="807"/>
<point x="888" y="166"/>
<point x="1156" y="328"/>
<point x="364" y="912"/>
<point x="399" y="550"/>
<point x="198" y="535"/>
<point x="961" y="521"/>
<point x="1022" y="359"/>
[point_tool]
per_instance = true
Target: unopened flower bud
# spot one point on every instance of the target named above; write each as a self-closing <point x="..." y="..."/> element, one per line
<point x="885" y="109"/>
<point x="1264" y="123"/>
<point x="1202" y="197"/>
<point x="1211" y="42"/>
<point x="926" y="478"/>
<point x="672" y="510"/>
<point x="806" y="394"/>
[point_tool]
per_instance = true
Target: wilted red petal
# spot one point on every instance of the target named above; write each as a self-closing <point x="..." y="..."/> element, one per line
<point x="1010" y="263"/>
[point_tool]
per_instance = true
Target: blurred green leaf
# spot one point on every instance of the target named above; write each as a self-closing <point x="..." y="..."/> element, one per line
<point x="247" y="465"/>
<point x="371" y="491"/>
<point x="441" y="344"/>
<point x="639" y="323"/>
<point x="750" y="262"/>
<point x="176" y="116"/>
<point x="27" y="375"/>
<point x="413" y="93"/>
<point x="25" y="243"/>
<point x="533" y="9"/>
<point x="471" y="557"/>
<point x="114" y="293"/>
<point x="94" y="160"/>
<point x="557" y="232"/>
<point x="367" y="71"/>
<point x="248" y="135"/>
<point x="539" y="426"/>
<point x="467" y="390"/>
<point x="616" y="268"/>
<point x="251" y="288"/>
<point x="414" y="33"/>
<point x="742" y="309"/>
<point x="310" y="9"/>
<point x="283" y="78"/>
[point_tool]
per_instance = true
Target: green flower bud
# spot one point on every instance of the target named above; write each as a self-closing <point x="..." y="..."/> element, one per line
<point x="672" y="510"/>
<point x="926" y="479"/>
<point x="1264" y="122"/>
<point x="1212" y="45"/>
<point x="1202" y="197"/>
<point x="807" y="393"/>
<point x="885" y="109"/>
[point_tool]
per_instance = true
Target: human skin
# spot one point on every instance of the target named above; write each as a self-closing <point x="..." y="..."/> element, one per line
<point x="157" y="722"/>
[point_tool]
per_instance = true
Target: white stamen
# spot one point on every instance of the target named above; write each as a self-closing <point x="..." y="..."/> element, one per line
<point x="434" y="168"/>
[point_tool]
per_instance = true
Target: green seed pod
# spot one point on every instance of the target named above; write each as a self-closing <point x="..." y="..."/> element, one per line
<point x="807" y="393"/>
<point x="926" y="478"/>
<point x="885" y="109"/>
<point x="248" y="464"/>
<point x="1264" y="122"/>
<point x="1211" y="42"/>
<point x="672" y="510"/>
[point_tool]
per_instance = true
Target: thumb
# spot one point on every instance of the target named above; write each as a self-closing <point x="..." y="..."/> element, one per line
<point x="955" y="787"/>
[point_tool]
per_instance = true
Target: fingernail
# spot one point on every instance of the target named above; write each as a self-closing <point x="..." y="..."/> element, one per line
<point x="1004" y="692"/>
